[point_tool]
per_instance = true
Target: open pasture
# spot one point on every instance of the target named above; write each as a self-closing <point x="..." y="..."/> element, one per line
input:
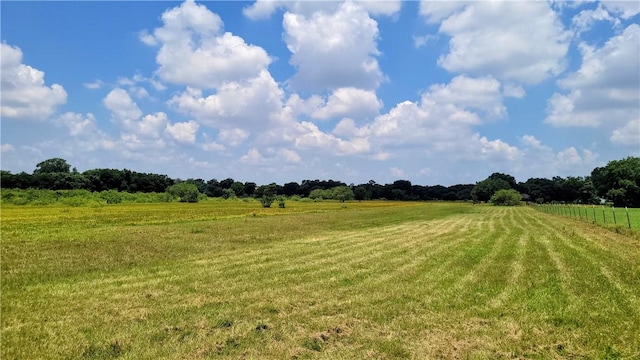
<point x="384" y="280"/>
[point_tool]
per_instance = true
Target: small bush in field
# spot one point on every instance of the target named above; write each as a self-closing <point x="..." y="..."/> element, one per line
<point x="187" y="192"/>
<point x="506" y="198"/>
<point x="281" y="202"/>
<point x="267" y="200"/>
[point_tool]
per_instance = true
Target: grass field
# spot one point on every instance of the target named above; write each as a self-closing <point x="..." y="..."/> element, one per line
<point x="603" y="215"/>
<point x="383" y="280"/>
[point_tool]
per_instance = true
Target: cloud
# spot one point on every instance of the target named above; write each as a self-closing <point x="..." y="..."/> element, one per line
<point x="333" y="50"/>
<point x="310" y="137"/>
<point x="184" y="132"/>
<point x="195" y="52"/>
<point x="212" y="146"/>
<point x="253" y="157"/>
<point x="495" y="38"/>
<point x="78" y="124"/>
<point x="420" y="41"/>
<point x="289" y="156"/>
<point x="234" y="104"/>
<point x="436" y="11"/>
<point x="463" y="92"/>
<point x="85" y="133"/>
<point x="440" y="123"/>
<point x="628" y="134"/>
<point x="5" y="148"/>
<point x="378" y="7"/>
<point x="356" y="103"/>
<point x="623" y="9"/>
<point x="122" y="107"/>
<point x="24" y="93"/>
<point x="263" y="9"/>
<point x="586" y="18"/>
<point x="531" y="141"/>
<point x="601" y="92"/>
<point x="98" y="84"/>
<point x="540" y="159"/>
<point x="232" y="137"/>
<point x="152" y="124"/>
<point x="397" y="172"/>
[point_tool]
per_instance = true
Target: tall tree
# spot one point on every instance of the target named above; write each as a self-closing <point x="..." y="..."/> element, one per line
<point x="55" y="165"/>
<point x="619" y="181"/>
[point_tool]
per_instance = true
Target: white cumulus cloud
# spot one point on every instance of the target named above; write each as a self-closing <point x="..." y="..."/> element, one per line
<point x="234" y="104"/>
<point x="78" y="124"/>
<point x="122" y="107"/>
<point x="24" y="93"/>
<point x="262" y="9"/>
<point x="352" y="102"/>
<point x="195" y="52"/>
<point x="333" y="50"/>
<point x="521" y="41"/>
<point x="252" y="157"/>
<point x="184" y="132"/>
<point x="232" y="137"/>
<point x="606" y="88"/>
<point x="629" y="134"/>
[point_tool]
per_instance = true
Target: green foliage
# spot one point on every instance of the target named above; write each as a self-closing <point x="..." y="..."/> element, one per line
<point x="360" y="193"/>
<point x="267" y="200"/>
<point x="185" y="191"/>
<point x="79" y="197"/>
<point x="281" y="202"/>
<point x="55" y="165"/>
<point x="619" y="181"/>
<point x="342" y="193"/>
<point x="508" y="197"/>
<point x="228" y="194"/>
<point x="320" y="194"/>
<point x="111" y="196"/>
<point x="484" y="190"/>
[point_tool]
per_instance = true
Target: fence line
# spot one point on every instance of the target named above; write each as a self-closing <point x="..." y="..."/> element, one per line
<point x="592" y="215"/>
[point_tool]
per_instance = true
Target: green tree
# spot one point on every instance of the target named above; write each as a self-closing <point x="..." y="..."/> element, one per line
<point x="268" y="194"/>
<point x="238" y="188"/>
<point x="320" y="194"/>
<point x="55" y="165"/>
<point x="342" y="193"/>
<point x="619" y="181"/>
<point x="186" y="192"/>
<point x="484" y="190"/>
<point x="506" y="197"/>
<point x="360" y="193"/>
<point x="228" y="194"/>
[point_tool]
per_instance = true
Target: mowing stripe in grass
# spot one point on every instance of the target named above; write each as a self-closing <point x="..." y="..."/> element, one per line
<point x="488" y="282"/>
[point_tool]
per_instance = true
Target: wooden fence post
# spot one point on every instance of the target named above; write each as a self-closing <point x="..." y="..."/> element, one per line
<point x="613" y="211"/>
<point x="628" y="221"/>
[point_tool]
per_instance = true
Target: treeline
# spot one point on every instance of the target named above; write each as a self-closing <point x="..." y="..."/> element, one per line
<point x="618" y="182"/>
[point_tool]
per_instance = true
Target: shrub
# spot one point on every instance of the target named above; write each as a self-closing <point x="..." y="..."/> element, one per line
<point x="228" y="194"/>
<point x="506" y="198"/>
<point x="111" y="196"/>
<point x="267" y="200"/>
<point x="187" y="192"/>
<point x="281" y="202"/>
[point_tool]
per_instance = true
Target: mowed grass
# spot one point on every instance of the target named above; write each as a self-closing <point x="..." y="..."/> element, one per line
<point x="384" y="280"/>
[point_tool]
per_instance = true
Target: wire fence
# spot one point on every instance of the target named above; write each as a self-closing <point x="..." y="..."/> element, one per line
<point x="596" y="214"/>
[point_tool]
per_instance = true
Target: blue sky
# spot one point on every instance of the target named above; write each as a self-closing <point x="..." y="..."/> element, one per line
<point x="432" y="92"/>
